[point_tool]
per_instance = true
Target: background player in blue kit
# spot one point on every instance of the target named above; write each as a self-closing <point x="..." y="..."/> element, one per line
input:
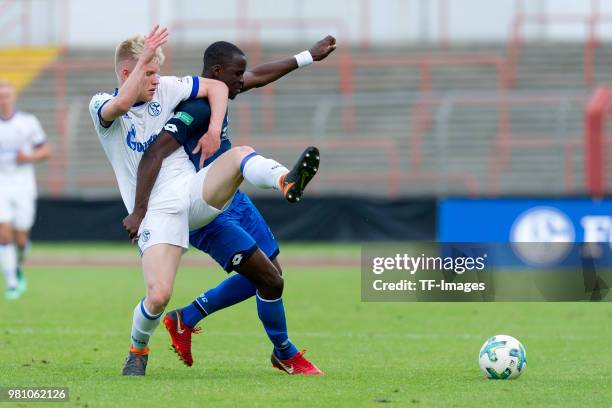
<point x="239" y="238"/>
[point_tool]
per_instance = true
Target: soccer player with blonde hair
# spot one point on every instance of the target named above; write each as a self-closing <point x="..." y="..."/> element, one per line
<point x="238" y="239"/>
<point x="127" y="123"/>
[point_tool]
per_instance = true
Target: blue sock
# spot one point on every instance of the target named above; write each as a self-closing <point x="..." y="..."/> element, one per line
<point x="232" y="290"/>
<point x="272" y="315"/>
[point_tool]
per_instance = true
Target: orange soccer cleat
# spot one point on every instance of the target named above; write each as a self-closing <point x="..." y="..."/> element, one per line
<point x="293" y="183"/>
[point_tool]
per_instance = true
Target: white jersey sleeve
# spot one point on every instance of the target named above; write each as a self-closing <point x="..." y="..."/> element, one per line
<point x="95" y="107"/>
<point x="37" y="134"/>
<point x="177" y="90"/>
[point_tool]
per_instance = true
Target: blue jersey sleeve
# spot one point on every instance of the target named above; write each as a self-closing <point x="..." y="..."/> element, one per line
<point x="190" y="122"/>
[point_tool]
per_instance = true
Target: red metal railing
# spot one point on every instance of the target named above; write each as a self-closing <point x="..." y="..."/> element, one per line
<point x="345" y="64"/>
<point x="59" y="162"/>
<point x="596" y="114"/>
<point x="420" y="121"/>
<point x="591" y="23"/>
<point x="506" y="139"/>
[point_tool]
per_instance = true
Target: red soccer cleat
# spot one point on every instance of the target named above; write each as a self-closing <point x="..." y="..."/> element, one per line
<point x="180" y="335"/>
<point x="295" y="365"/>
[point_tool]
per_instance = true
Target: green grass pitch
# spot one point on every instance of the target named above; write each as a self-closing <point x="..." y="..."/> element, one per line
<point x="72" y="329"/>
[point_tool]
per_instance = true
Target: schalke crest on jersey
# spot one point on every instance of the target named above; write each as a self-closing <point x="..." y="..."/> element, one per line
<point x="154" y="108"/>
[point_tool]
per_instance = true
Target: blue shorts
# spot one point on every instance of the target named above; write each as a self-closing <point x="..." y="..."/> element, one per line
<point x="235" y="235"/>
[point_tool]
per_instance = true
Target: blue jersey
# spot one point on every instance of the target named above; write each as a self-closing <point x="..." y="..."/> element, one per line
<point x="240" y="229"/>
<point x="191" y="120"/>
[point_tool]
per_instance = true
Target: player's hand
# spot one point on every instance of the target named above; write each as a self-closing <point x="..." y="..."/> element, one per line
<point x="323" y="48"/>
<point x="21" y="157"/>
<point x="131" y="223"/>
<point x="155" y="39"/>
<point x="208" y="144"/>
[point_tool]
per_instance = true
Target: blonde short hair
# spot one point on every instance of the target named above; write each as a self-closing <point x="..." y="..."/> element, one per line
<point x="132" y="48"/>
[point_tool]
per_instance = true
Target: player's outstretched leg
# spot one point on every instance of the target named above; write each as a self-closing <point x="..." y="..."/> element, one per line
<point x="243" y="163"/>
<point x="294" y="182"/>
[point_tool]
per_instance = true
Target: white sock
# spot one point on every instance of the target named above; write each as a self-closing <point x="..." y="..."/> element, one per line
<point x="262" y="172"/>
<point x="143" y="325"/>
<point x="8" y="264"/>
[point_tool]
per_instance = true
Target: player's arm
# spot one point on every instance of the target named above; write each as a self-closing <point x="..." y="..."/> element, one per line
<point x="263" y="74"/>
<point x="217" y="94"/>
<point x="130" y="90"/>
<point x="188" y="123"/>
<point x="38" y="139"/>
<point x="148" y="170"/>
<point x="39" y="153"/>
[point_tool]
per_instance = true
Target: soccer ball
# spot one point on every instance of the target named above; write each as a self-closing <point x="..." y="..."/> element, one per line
<point x="502" y="358"/>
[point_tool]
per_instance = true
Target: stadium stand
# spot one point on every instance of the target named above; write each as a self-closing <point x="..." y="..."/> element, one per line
<point x="423" y="121"/>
